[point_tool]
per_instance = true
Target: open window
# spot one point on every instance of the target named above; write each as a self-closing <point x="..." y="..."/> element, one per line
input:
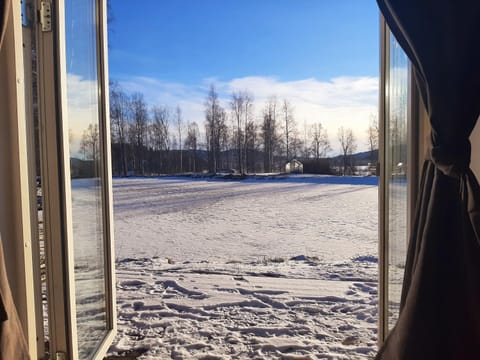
<point x="67" y="107"/>
<point x="400" y="132"/>
<point x="69" y="172"/>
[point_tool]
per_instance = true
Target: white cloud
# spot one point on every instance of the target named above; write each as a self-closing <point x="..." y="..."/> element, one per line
<point x="82" y="107"/>
<point x="342" y="101"/>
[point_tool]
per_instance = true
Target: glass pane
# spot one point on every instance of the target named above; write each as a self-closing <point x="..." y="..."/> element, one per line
<point x="396" y="133"/>
<point x="85" y="164"/>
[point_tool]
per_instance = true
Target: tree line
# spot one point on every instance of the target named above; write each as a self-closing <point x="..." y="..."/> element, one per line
<point x="153" y="140"/>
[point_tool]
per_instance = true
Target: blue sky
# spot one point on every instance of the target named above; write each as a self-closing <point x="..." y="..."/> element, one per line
<point x="320" y="54"/>
<point x="190" y="40"/>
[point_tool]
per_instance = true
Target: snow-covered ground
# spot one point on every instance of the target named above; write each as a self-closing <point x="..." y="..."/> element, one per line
<point x="255" y="269"/>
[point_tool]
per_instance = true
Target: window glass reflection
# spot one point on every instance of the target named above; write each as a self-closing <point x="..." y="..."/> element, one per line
<point x="86" y="179"/>
<point x="396" y="133"/>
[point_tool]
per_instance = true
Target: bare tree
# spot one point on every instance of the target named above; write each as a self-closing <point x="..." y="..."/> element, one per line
<point x="306" y="150"/>
<point x="241" y="105"/>
<point x="191" y="143"/>
<point x="296" y="144"/>
<point x="215" y="128"/>
<point x="89" y="143"/>
<point x="289" y="126"/>
<point x="348" y="144"/>
<point x="225" y="140"/>
<point x="269" y="133"/>
<point x="236" y="105"/>
<point x="179" y="123"/>
<point x="320" y="142"/>
<point x="161" y="135"/>
<point x="372" y="133"/>
<point x="139" y="130"/>
<point x="249" y="124"/>
<point x="119" y="115"/>
<point x="251" y="145"/>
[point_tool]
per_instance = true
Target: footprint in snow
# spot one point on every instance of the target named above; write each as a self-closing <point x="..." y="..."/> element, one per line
<point x="173" y="285"/>
<point x="131" y="284"/>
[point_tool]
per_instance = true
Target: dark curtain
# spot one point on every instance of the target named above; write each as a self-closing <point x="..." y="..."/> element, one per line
<point x="12" y="340"/>
<point x="440" y="305"/>
<point x="4" y="6"/>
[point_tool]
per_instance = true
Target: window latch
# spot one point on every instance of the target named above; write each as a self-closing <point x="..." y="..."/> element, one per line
<point x="46" y="16"/>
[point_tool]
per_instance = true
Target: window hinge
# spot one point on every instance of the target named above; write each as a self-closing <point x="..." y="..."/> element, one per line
<point x="60" y="356"/>
<point x="46" y="16"/>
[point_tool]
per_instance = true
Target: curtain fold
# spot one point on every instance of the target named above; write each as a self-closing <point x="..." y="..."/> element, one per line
<point x="440" y="305"/>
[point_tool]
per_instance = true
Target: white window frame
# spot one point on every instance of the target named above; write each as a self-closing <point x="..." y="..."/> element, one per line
<point x="55" y="165"/>
<point x="15" y="198"/>
<point x="415" y="144"/>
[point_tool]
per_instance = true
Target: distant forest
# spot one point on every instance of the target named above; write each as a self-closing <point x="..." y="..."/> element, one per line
<point x="156" y="140"/>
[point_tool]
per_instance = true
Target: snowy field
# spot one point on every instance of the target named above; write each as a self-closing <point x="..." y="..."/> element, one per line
<point x="255" y="269"/>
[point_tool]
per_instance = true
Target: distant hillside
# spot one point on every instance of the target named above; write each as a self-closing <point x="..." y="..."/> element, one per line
<point x="155" y="162"/>
<point x="361" y="158"/>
